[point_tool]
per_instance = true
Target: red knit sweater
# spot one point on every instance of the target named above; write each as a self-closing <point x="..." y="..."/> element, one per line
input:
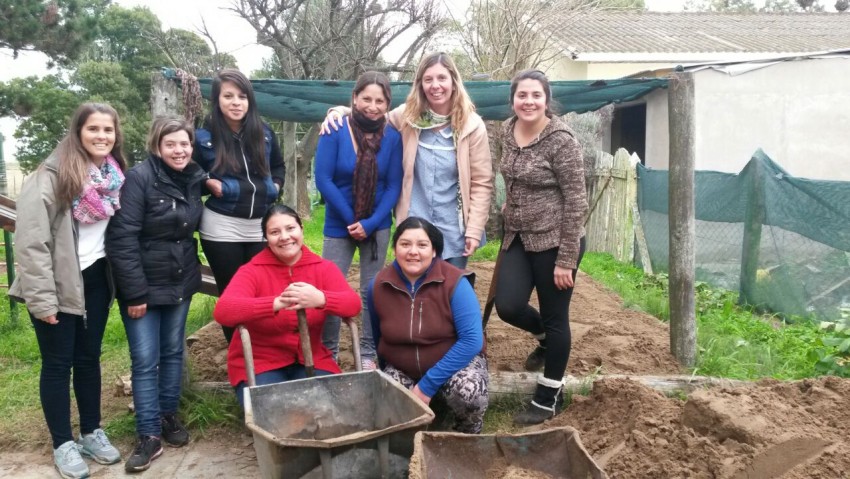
<point x="248" y="300"/>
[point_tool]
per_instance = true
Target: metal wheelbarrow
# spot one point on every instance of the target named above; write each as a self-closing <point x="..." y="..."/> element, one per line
<point x="552" y="453"/>
<point x="350" y="425"/>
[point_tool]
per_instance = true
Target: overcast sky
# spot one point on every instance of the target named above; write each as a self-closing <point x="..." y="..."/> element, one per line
<point x="232" y="34"/>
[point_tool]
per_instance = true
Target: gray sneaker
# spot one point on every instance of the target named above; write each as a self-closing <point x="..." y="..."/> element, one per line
<point x="68" y="461"/>
<point x="96" y="446"/>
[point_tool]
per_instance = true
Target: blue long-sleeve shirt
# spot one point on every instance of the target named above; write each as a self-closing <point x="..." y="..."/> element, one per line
<point x="466" y="313"/>
<point x="334" y="173"/>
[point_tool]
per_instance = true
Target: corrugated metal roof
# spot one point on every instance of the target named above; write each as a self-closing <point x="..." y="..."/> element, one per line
<point x="703" y="33"/>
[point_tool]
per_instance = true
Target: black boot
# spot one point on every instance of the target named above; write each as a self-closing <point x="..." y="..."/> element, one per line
<point x="537" y="359"/>
<point x="548" y="402"/>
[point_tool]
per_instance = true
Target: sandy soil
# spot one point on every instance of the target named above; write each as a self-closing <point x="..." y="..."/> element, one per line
<point x="771" y="429"/>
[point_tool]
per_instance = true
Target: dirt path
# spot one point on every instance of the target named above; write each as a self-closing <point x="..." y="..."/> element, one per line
<point x="604" y="336"/>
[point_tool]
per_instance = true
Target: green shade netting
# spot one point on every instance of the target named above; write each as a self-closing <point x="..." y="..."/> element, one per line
<point x="804" y="249"/>
<point x="309" y="100"/>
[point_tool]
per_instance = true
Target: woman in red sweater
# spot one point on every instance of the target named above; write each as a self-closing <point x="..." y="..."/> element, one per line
<point x="264" y="295"/>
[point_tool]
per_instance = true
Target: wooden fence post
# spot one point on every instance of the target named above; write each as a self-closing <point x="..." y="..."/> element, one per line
<point x="165" y="96"/>
<point x="682" y="218"/>
<point x="290" y="156"/>
<point x="751" y="244"/>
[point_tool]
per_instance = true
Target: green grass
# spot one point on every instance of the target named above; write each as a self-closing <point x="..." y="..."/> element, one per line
<point x="733" y="341"/>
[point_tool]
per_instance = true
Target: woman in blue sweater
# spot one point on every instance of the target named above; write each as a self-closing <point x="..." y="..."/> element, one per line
<point x="359" y="172"/>
<point x="427" y="325"/>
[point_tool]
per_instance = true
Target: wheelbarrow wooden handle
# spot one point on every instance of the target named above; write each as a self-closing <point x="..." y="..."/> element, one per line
<point x="248" y="354"/>
<point x="306" y="348"/>
<point x="355" y="342"/>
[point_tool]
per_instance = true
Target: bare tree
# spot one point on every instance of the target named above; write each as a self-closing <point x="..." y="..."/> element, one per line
<point x="336" y="39"/>
<point x="504" y="37"/>
<point x="321" y="39"/>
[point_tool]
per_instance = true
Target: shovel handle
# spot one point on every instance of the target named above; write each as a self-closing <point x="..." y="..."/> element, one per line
<point x="305" y="342"/>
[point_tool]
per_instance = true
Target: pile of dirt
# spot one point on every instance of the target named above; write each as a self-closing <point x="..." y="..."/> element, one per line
<point x="789" y="430"/>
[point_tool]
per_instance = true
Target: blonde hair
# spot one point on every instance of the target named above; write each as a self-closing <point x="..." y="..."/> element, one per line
<point x="417" y="102"/>
<point x="73" y="157"/>
<point x="166" y="125"/>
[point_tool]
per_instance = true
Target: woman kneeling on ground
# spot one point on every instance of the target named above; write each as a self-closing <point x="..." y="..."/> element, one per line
<point x="437" y="348"/>
<point x="155" y="259"/>
<point x="264" y="296"/>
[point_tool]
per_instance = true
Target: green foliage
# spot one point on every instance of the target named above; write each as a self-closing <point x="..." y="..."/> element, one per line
<point x="44" y="106"/>
<point x="832" y="350"/>
<point x="115" y="68"/>
<point x="202" y="410"/>
<point x="732" y="341"/>
<point x="61" y="29"/>
<point x="126" y="37"/>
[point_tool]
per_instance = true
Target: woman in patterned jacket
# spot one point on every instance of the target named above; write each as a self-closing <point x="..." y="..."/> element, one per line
<point x="544" y="234"/>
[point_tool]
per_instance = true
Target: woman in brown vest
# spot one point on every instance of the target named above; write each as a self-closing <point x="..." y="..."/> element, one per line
<point x="427" y="327"/>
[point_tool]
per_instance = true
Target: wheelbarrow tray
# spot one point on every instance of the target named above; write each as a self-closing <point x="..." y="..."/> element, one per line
<point x="556" y="452"/>
<point x="332" y="422"/>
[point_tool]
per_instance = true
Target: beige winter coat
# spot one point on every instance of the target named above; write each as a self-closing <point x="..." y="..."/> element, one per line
<point x="49" y="279"/>
<point x="475" y="171"/>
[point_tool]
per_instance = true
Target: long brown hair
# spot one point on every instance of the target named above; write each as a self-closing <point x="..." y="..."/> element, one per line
<point x="227" y="159"/>
<point x="417" y="102"/>
<point x="73" y="157"/>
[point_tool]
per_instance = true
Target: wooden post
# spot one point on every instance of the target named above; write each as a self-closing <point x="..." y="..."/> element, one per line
<point x="165" y="96"/>
<point x="752" y="233"/>
<point x="682" y="218"/>
<point x="640" y="239"/>
<point x="290" y="154"/>
<point x="8" y="240"/>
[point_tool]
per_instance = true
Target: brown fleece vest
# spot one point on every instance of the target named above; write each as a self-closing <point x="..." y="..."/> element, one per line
<point x="416" y="331"/>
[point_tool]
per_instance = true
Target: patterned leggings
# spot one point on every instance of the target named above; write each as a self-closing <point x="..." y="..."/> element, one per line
<point x="465" y="393"/>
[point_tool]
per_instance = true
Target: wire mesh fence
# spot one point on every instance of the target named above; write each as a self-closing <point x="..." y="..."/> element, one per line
<point x="782" y="242"/>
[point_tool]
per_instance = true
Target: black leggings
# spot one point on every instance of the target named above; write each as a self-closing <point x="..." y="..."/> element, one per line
<point x="225" y="259"/>
<point x="74" y="344"/>
<point x="519" y="273"/>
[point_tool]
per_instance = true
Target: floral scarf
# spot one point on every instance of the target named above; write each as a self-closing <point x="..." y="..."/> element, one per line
<point x="99" y="199"/>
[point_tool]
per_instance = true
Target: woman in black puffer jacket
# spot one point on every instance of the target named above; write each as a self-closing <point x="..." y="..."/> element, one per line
<point x="154" y="254"/>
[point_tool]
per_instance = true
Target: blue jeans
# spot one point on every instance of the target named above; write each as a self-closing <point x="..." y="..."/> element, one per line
<point x="281" y="375"/>
<point x="156" y="351"/>
<point x="340" y="251"/>
<point x="458" y="261"/>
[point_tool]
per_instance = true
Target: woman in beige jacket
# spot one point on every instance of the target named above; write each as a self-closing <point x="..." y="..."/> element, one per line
<point x="64" y="279"/>
<point x="448" y="177"/>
